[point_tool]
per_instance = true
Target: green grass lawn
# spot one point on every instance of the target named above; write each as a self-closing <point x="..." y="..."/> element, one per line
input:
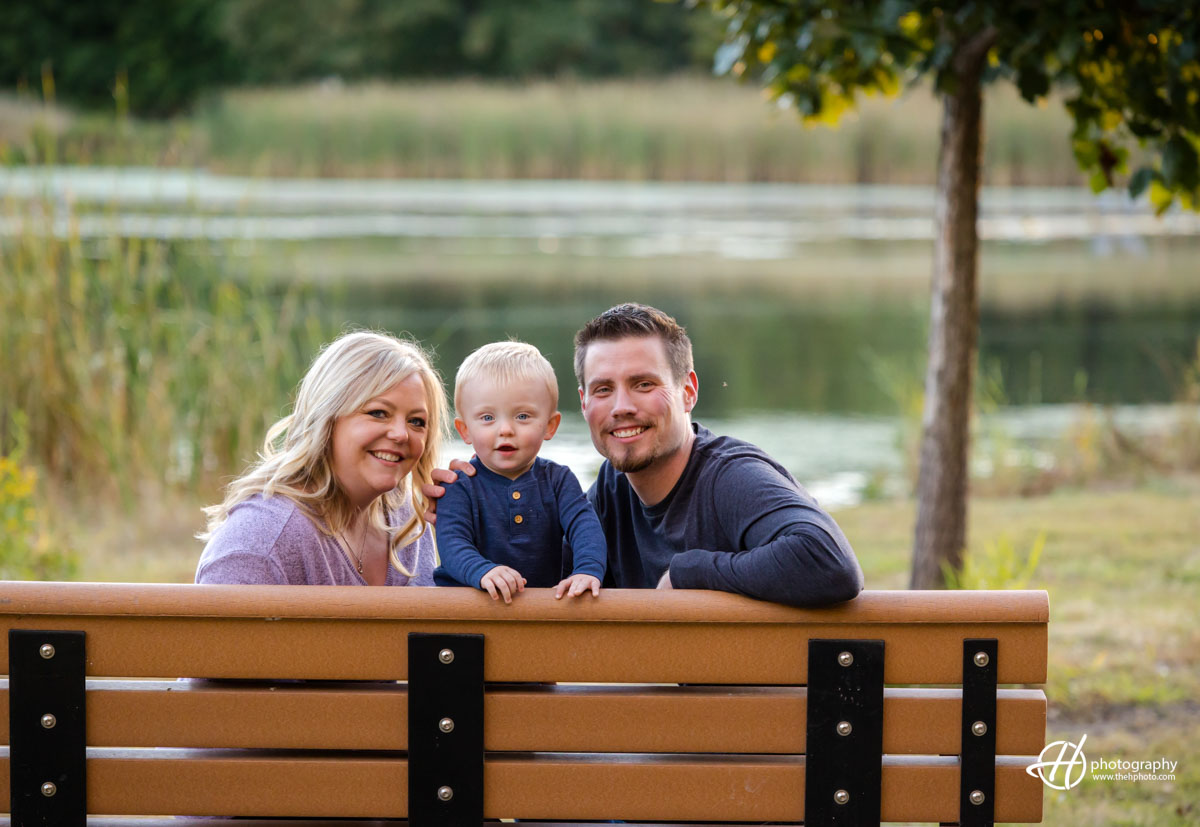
<point x="1122" y="568"/>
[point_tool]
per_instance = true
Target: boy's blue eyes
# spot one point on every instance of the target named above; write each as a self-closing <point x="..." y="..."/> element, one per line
<point x="490" y="418"/>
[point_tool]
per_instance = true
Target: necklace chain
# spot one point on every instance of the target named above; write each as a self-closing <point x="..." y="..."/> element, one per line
<point x="358" y="557"/>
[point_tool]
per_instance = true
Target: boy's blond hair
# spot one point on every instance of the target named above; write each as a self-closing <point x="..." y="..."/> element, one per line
<point x="506" y="362"/>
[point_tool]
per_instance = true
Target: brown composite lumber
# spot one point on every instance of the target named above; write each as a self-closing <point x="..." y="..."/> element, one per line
<point x="581" y="652"/>
<point x="630" y="605"/>
<point x="630" y="638"/>
<point x="528" y="719"/>
<point x="165" y="782"/>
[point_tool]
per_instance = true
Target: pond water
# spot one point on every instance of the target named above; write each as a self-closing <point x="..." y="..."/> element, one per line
<point x="824" y="387"/>
<point x="807" y="305"/>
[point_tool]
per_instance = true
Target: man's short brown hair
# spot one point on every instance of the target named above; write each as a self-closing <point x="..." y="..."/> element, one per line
<point x="637" y="320"/>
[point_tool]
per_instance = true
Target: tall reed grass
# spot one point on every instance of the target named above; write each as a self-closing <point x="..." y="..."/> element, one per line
<point x="137" y="363"/>
<point x="674" y="129"/>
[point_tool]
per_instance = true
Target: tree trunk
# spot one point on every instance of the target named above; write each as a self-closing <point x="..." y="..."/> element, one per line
<point x="953" y="326"/>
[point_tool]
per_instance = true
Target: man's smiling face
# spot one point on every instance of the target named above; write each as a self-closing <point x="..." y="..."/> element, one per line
<point x="637" y="412"/>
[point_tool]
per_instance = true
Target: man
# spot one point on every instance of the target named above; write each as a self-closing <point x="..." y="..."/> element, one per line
<point x="680" y="506"/>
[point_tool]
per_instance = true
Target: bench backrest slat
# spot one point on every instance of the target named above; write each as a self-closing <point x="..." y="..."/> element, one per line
<point x="719" y="652"/>
<point x="914" y="789"/>
<point x="548" y="719"/>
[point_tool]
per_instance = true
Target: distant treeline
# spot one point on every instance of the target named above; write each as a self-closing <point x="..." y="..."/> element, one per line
<point x="154" y="58"/>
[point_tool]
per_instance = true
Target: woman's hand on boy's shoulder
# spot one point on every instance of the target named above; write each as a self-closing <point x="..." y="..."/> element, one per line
<point x="433" y="491"/>
<point x="576" y="585"/>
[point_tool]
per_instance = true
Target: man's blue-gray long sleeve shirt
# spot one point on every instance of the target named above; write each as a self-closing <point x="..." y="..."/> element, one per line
<point x="735" y="521"/>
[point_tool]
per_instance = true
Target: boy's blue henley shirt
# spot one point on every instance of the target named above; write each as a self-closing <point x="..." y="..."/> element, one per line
<point x="489" y="520"/>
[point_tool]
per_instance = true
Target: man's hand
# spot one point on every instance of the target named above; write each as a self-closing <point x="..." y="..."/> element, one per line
<point x="576" y="585"/>
<point x="665" y="582"/>
<point x="433" y="491"/>
<point x="502" y="581"/>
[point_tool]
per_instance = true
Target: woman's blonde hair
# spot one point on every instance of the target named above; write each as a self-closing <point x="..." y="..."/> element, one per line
<point x="296" y="458"/>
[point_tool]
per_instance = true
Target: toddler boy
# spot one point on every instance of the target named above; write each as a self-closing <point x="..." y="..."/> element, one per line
<point x="503" y="528"/>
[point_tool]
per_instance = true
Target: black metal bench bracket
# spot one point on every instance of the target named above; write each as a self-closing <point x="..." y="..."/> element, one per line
<point x="47" y="733"/>
<point x="977" y="778"/>
<point x="843" y="771"/>
<point x="445" y="730"/>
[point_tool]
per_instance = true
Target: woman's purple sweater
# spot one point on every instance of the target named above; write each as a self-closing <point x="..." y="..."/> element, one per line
<point x="271" y="541"/>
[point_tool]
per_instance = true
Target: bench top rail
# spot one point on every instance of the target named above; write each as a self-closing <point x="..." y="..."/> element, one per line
<point x="615" y="605"/>
<point x="626" y="636"/>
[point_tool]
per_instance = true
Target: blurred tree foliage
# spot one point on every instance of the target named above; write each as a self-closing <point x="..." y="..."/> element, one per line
<point x="155" y="58"/>
<point x="1129" y="73"/>
<point x="279" y="42"/>
<point x="151" y="58"/>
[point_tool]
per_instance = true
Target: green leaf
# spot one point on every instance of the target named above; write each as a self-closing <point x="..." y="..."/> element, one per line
<point x="1098" y="181"/>
<point x="1141" y="129"/>
<point x="1033" y="82"/>
<point x="1087" y="153"/>
<point x="1180" y="166"/>
<point x="1160" y="197"/>
<point x="1140" y="180"/>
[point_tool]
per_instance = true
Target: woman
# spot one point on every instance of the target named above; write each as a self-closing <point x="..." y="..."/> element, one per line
<point x="331" y="501"/>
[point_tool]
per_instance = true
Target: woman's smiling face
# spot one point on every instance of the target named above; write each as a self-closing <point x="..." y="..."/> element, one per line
<point x="375" y="447"/>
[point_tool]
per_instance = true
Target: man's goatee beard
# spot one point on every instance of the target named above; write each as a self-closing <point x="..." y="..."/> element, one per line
<point x="630" y="465"/>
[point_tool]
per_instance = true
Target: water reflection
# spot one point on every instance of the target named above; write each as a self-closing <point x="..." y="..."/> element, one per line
<point x="756" y="350"/>
<point x="807" y="304"/>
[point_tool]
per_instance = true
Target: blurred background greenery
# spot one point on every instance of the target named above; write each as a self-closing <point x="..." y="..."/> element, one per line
<point x="197" y="194"/>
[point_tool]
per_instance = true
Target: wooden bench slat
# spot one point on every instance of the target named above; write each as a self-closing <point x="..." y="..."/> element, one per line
<point x="630" y="605"/>
<point x="526" y="719"/>
<point x="532" y="651"/>
<point x="165" y="782"/>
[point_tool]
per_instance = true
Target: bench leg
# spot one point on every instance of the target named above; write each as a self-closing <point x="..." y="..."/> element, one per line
<point x="47" y="734"/>
<point x="843" y="765"/>
<point x="445" y="730"/>
<point x="977" y="778"/>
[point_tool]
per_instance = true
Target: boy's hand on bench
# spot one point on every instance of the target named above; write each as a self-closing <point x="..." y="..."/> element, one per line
<point x="665" y="581"/>
<point x="502" y="580"/>
<point x="433" y="491"/>
<point x="576" y="585"/>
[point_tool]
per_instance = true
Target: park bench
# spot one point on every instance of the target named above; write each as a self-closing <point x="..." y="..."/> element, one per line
<point x="441" y="707"/>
